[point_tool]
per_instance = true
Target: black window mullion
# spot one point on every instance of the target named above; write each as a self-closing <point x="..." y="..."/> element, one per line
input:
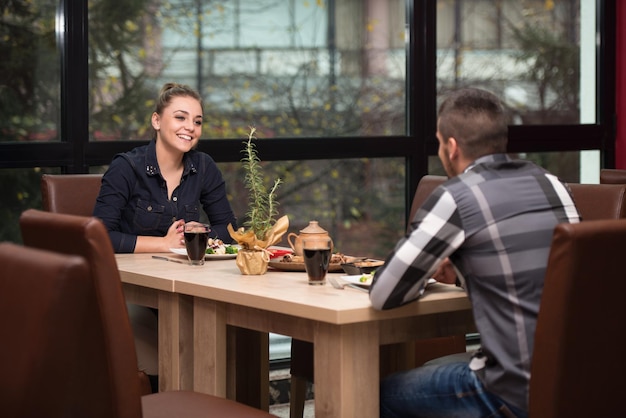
<point x="421" y="90"/>
<point x="606" y="75"/>
<point x="73" y="45"/>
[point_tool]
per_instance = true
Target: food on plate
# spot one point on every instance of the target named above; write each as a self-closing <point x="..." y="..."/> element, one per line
<point x="336" y="258"/>
<point x="217" y="246"/>
<point x="366" y="278"/>
<point x="369" y="263"/>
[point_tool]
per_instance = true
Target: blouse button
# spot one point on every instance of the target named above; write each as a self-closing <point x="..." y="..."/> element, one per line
<point x="149" y="208"/>
<point x="175" y="199"/>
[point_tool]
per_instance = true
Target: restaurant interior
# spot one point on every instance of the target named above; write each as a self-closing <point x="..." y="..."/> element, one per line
<point x="343" y="97"/>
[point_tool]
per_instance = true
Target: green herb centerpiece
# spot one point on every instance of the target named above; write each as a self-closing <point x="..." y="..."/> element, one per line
<point x="261" y="229"/>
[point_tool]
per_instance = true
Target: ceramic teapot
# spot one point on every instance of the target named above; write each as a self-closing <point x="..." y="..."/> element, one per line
<point x="313" y="230"/>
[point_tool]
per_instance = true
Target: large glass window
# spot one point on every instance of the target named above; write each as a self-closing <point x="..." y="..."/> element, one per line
<point x="327" y="78"/>
<point x="291" y="68"/>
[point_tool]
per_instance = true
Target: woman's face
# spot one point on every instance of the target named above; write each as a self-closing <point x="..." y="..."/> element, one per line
<point x="180" y="125"/>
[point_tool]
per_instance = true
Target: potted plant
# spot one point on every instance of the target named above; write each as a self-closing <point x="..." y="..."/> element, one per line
<point x="261" y="229"/>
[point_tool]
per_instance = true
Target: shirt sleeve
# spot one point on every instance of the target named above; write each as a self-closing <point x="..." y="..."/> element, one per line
<point x="113" y="198"/>
<point x="435" y="233"/>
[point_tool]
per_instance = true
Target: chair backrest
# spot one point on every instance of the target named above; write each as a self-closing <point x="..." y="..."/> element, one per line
<point x="87" y="237"/>
<point x="44" y="315"/>
<point x="594" y="201"/>
<point x="599" y="201"/>
<point x="424" y="188"/>
<point x="612" y="176"/>
<point x="74" y="194"/>
<point x="578" y="362"/>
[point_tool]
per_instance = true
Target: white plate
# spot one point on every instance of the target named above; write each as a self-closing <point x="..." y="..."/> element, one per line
<point x="183" y="251"/>
<point x="356" y="279"/>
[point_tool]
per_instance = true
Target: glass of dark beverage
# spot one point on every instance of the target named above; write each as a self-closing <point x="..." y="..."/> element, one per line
<point x="196" y="240"/>
<point x="316" y="252"/>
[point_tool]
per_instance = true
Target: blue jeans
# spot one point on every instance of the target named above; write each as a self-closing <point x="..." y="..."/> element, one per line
<point x="441" y="391"/>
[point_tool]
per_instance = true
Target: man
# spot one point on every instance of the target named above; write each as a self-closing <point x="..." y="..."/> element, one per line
<point x="489" y="227"/>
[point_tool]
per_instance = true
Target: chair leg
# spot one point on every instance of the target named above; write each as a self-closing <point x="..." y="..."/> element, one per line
<point x="297" y="397"/>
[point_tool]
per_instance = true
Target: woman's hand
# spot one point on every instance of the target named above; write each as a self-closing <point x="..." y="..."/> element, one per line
<point x="175" y="235"/>
<point x="445" y="273"/>
<point x="173" y="239"/>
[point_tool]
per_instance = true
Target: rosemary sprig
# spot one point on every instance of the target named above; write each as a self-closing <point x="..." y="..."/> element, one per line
<point x="262" y="206"/>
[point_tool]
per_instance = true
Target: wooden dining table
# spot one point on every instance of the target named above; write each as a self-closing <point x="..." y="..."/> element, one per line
<point x="199" y="306"/>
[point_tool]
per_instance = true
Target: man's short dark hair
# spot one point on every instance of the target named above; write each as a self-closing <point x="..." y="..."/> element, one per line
<point x="477" y="120"/>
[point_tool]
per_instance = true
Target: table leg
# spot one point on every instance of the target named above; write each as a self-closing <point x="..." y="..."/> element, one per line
<point x="169" y="336"/>
<point x="346" y="362"/>
<point x="209" y="347"/>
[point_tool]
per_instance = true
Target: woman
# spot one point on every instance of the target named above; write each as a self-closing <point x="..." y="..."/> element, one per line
<point x="149" y="193"/>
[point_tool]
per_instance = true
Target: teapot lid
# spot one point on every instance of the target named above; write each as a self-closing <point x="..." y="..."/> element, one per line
<point x="313" y="228"/>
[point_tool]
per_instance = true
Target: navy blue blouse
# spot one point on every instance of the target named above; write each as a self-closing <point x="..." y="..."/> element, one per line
<point x="133" y="198"/>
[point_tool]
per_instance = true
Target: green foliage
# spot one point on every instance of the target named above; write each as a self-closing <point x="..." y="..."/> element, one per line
<point x="262" y="206"/>
<point x="553" y="67"/>
<point x="29" y="95"/>
<point x="20" y="191"/>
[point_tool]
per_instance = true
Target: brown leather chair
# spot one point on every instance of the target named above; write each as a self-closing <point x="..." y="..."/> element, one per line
<point x="113" y="371"/>
<point x="578" y="362"/>
<point x="42" y="293"/>
<point x="424" y="188"/>
<point x="612" y="176"/>
<point x="74" y="194"/>
<point x="599" y="201"/>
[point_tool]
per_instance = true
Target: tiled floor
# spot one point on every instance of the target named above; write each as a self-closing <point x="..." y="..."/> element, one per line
<point x="279" y="396"/>
<point x="282" y="410"/>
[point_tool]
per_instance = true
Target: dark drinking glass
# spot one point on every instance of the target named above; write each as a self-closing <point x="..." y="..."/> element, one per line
<point x="316" y="259"/>
<point x="196" y="240"/>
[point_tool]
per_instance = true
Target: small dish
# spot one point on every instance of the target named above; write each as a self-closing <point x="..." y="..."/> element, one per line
<point x="366" y="266"/>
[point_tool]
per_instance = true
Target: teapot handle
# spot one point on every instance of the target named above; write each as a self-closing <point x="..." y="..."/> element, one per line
<point x="291" y="244"/>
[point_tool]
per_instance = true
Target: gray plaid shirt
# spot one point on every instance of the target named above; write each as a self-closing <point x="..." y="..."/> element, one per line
<point x="495" y="222"/>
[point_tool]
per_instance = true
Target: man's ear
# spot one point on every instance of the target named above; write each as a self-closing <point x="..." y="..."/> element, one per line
<point x="453" y="149"/>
